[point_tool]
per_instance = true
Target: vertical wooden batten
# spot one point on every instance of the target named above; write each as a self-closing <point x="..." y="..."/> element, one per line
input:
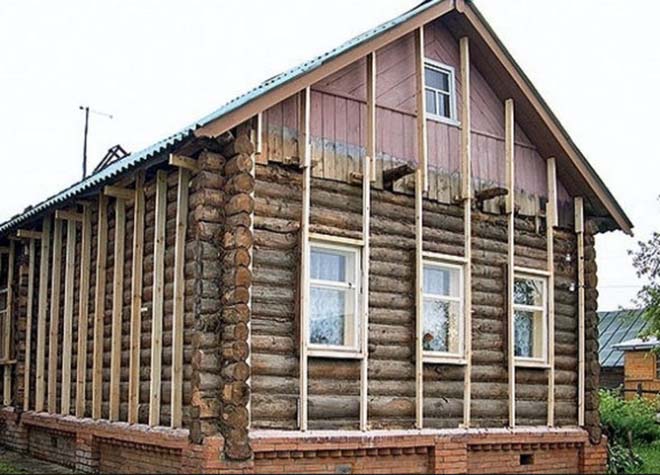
<point x="419" y="299"/>
<point x="99" y="306"/>
<point x="53" y="351"/>
<point x="466" y="196"/>
<point x="117" y="308"/>
<point x="305" y="154"/>
<point x="371" y="112"/>
<point x="179" y="294"/>
<point x="32" y="250"/>
<point x="83" y="310"/>
<point x="579" y="231"/>
<point x="67" y="323"/>
<point x="552" y="221"/>
<point x="422" y="137"/>
<point x="42" y="312"/>
<point x="8" y="315"/>
<point x="136" y="300"/>
<point x="510" y="210"/>
<point x="160" y="218"/>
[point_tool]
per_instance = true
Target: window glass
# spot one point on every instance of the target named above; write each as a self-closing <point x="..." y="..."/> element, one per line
<point x="328" y="265"/>
<point x="439" y="84"/>
<point x="437" y="79"/>
<point x="529" y="318"/>
<point x="528" y="292"/>
<point x="443" y="309"/>
<point x="444" y="105"/>
<point x="328" y="316"/>
<point x="431" y="106"/>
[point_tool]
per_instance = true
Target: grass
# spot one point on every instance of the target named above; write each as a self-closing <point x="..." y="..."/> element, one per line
<point x="651" y="456"/>
<point x="5" y="468"/>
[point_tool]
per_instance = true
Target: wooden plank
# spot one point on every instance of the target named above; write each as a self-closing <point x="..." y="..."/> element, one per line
<point x="69" y="215"/>
<point x="55" y="287"/>
<point x="32" y="252"/>
<point x="99" y="306"/>
<point x="419" y="298"/>
<point x="422" y="136"/>
<point x="510" y="209"/>
<point x="117" y="308"/>
<point x="183" y="162"/>
<point x="40" y="383"/>
<point x="67" y="323"/>
<point x="367" y="168"/>
<point x="136" y="300"/>
<point x="551" y="222"/>
<point x="83" y="310"/>
<point x="466" y="192"/>
<point x="305" y="104"/>
<point x="28" y="234"/>
<point x="371" y="112"/>
<point x="157" y="298"/>
<point x="118" y="192"/>
<point x="179" y="296"/>
<point x="579" y="230"/>
<point x="7" y="386"/>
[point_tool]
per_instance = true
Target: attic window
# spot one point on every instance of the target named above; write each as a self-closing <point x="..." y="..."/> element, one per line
<point x="440" y="91"/>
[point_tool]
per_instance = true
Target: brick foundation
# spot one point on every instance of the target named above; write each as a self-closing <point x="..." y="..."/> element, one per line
<point x="100" y="446"/>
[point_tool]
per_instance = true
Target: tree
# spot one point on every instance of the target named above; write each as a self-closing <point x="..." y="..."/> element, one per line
<point x="646" y="259"/>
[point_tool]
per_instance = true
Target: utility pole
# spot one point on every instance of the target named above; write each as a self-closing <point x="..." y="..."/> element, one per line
<point x="87" y="111"/>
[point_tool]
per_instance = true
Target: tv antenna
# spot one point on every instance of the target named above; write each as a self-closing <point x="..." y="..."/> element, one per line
<point x="87" y="110"/>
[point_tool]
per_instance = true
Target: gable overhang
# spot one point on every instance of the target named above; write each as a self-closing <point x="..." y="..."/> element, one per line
<point x="493" y="60"/>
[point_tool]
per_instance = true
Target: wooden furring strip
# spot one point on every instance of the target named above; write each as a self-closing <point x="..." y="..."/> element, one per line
<point x="40" y="384"/>
<point x="117" y="308"/>
<point x="419" y="299"/>
<point x="136" y="300"/>
<point x="55" y="287"/>
<point x="510" y="209"/>
<point x="305" y="154"/>
<point x="99" y="306"/>
<point x="371" y="112"/>
<point x="179" y="295"/>
<point x="551" y="223"/>
<point x="67" y="324"/>
<point x="83" y="310"/>
<point x="579" y="230"/>
<point x="9" y="312"/>
<point x="158" y="298"/>
<point x="32" y="246"/>
<point x="466" y="194"/>
<point x="422" y="137"/>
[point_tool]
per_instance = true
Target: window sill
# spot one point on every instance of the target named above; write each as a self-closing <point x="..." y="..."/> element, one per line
<point x="443" y="120"/>
<point x="444" y="359"/>
<point x="334" y="354"/>
<point x="534" y="364"/>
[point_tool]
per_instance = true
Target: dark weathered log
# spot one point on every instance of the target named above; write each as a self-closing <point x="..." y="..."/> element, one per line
<point x="393" y="174"/>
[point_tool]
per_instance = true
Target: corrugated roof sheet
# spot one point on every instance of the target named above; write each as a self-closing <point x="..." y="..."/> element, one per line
<point x="163" y="146"/>
<point x="614" y="328"/>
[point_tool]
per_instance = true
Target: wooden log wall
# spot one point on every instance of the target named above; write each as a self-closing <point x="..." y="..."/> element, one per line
<point x="334" y="384"/>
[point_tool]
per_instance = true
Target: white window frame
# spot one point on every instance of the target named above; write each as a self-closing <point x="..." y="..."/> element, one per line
<point x="339" y="351"/>
<point x="446" y="357"/>
<point x="444" y="68"/>
<point x="542" y="276"/>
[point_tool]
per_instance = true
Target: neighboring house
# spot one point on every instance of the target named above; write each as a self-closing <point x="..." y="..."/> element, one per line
<point x="380" y="261"/>
<point x="642" y="367"/>
<point x="613" y="328"/>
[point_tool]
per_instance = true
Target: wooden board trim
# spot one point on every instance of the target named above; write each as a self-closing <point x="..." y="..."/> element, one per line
<point x="419" y="298"/>
<point x="32" y="251"/>
<point x="42" y="315"/>
<point x="420" y="94"/>
<point x="7" y="376"/>
<point x="83" y="310"/>
<point x="55" y="287"/>
<point x="579" y="230"/>
<point x="136" y="300"/>
<point x="510" y="209"/>
<point x="67" y="322"/>
<point x="99" y="306"/>
<point x="160" y="218"/>
<point x="551" y="222"/>
<point x="179" y="296"/>
<point x="372" y="73"/>
<point x="364" y="307"/>
<point x="117" y="308"/>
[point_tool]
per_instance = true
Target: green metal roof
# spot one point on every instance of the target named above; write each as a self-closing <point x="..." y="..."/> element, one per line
<point x="614" y="328"/>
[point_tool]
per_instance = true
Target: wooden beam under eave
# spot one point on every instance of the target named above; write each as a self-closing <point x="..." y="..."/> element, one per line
<point x="32" y="251"/>
<point x="466" y="194"/>
<point x="42" y="313"/>
<point x="183" y="162"/>
<point x="119" y="193"/>
<point x="160" y="217"/>
<point x="551" y="223"/>
<point x="99" y="306"/>
<point x="117" y="308"/>
<point x="55" y="288"/>
<point x="179" y="295"/>
<point x="67" y="323"/>
<point x="69" y="215"/>
<point x="420" y="94"/>
<point x="83" y="310"/>
<point x="28" y="234"/>
<point x="510" y="210"/>
<point x="371" y="112"/>
<point x="579" y="231"/>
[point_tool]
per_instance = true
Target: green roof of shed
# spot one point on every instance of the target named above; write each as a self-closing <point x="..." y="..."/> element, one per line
<point x="614" y="328"/>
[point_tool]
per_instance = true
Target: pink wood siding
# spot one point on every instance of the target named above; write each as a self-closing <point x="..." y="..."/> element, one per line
<point x="338" y="124"/>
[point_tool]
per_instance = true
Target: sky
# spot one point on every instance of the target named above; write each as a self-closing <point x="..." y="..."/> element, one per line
<point x="158" y="65"/>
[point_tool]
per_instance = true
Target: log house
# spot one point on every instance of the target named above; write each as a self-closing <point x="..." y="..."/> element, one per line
<point x="382" y="260"/>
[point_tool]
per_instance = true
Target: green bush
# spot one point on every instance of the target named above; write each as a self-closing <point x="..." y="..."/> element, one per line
<point x="636" y="416"/>
<point x="622" y="460"/>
